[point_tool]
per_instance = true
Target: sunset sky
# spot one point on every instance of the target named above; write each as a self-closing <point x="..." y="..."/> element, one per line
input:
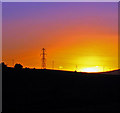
<point x="82" y="34"/>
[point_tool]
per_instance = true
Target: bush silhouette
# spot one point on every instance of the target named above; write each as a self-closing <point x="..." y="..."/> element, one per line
<point x="18" y="66"/>
<point x="3" y="65"/>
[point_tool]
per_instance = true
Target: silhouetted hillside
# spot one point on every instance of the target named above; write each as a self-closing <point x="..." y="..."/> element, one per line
<point x="115" y="72"/>
<point x="34" y="90"/>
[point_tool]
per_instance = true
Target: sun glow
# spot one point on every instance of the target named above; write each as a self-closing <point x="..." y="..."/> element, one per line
<point x="91" y="69"/>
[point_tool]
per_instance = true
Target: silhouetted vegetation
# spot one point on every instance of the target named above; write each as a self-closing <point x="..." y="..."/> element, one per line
<point x="27" y="68"/>
<point x="3" y="65"/>
<point x="18" y="66"/>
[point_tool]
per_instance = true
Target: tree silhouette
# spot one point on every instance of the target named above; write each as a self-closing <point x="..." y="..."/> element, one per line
<point x="3" y="65"/>
<point x="18" y="66"/>
<point x="27" y="68"/>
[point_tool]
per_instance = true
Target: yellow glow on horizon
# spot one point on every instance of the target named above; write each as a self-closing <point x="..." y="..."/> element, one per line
<point x="91" y="69"/>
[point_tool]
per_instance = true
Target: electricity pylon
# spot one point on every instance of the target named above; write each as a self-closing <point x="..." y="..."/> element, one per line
<point x="53" y="64"/>
<point x="43" y="54"/>
<point x="13" y="62"/>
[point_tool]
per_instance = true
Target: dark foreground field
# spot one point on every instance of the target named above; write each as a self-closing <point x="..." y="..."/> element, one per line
<point x="59" y="92"/>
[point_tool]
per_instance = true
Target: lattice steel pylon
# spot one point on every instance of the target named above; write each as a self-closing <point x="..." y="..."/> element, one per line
<point x="43" y="54"/>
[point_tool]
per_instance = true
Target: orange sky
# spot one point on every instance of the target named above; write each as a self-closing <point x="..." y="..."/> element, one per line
<point x="82" y="34"/>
